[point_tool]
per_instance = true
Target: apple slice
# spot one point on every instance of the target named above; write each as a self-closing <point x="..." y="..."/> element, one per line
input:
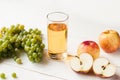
<point x="103" y="68"/>
<point x="83" y="63"/>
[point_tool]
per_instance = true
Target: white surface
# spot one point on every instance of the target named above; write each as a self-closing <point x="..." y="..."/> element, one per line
<point x="88" y="18"/>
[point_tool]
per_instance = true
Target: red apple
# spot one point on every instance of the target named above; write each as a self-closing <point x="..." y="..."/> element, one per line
<point x="109" y="41"/>
<point x="90" y="47"/>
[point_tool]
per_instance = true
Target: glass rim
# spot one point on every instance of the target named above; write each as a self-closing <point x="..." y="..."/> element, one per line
<point x="65" y="19"/>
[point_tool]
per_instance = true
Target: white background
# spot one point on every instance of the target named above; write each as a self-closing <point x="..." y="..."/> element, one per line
<point x="88" y="18"/>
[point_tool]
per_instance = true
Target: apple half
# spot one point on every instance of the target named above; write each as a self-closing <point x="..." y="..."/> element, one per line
<point x="82" y="63"/>
<point x="103" y="68"/>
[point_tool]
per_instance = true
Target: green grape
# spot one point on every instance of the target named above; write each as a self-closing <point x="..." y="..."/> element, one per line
<point x="10" y="30"/>
<point x="37" y="59"/>
<point x="26" y="48"/>
<point x="32" y="48"/>
<point x="5" y="43"/>
<point x="14" y="75"/>
<point x="42" y="45"/>
<point x="40" y="54"/>
<point x="38" y="32"/>
<point x="2" y="75"/>
<point x="30" y="36"/>
<point x="25" y="32"/>
<point x="34" y="55"/>
<point x="28" y="43"/>
<point x="31" y="58"/>
<point x="36" y="46"/>
<point x="24" y="39"/>
<point x="18" y="60"/>
<point x="38" y="49"/>
<point x="21" y="27"/>
<point x="30" y="52"/>
<point x="33" y="40"/>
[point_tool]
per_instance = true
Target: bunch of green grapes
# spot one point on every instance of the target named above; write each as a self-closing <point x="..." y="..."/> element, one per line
<point x="8" y="41"/>
<point x="32" y="44"/>
<point x="16" y="37"/>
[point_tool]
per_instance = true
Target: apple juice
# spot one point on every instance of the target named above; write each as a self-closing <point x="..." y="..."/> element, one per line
<point x="57" y="39"/>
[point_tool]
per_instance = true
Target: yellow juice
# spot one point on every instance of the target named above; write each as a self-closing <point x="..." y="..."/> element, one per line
<point x="57" y="39"/>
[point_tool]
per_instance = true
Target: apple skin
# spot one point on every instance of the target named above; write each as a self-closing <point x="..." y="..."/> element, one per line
<point x="90" y="47"/>
<point x="119" y="44"/>
<point x="104" y="77"/>
<point x="109" y="41"/>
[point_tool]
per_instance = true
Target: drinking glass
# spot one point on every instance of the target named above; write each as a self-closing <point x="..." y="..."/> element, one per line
<point x="57" y="34"/>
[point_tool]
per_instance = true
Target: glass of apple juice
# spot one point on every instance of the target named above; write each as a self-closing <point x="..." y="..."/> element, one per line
<point x="57" y="34"/>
